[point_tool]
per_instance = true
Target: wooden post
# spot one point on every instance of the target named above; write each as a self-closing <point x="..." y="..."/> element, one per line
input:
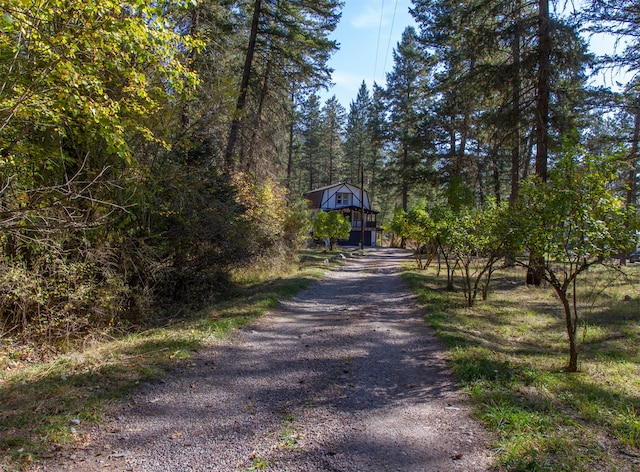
<point x="361" y="205"/>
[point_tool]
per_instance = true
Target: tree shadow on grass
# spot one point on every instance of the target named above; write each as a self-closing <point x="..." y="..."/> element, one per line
<point x="41" y="404"/>
<point x="545" y="416"/>
<point x="41" y="410"/>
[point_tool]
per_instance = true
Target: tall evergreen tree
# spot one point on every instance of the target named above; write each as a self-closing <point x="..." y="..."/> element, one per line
<point x="289" y="41"/>
<point x="452" y="32"/>
<point x="358" y="140"/>
<point x="621" y="18"/>
<point x="543" y="93"/>
<point x="488" y="86"/>
<point x="406" y="88"/>
<point x="311" y="140"/>
<point x="333" y="121"/>
<point x="379" y="133"/>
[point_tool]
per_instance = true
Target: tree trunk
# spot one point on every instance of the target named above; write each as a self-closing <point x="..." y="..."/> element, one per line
<point x="535" y="272"/>
<point x="633" y="160"/>
<point x="331" y="146"/>
<point x="193" y="54"/>
<point x="452" y="145"/>
<point x="244" y="87"/>
<point x="496" y="173"/>
<point x="470" y="294"/>
<point x="572" y="327"/>
<point x="257" y="124"/>
<point x="450" y="272"/>
<point x="542" y="100"/>
<point x="290" y="150"/>
<point x="464" y="132"/>
<point x="405" y="186"/>
<point x="632" y="177"/>
<point x="515" y="105"/>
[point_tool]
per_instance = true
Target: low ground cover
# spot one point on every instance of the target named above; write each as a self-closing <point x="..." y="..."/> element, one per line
<point x="45" y="400"/>
<point x="509" y="352"/>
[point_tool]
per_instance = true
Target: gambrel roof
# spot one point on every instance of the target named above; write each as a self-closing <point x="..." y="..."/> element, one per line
<point x="324" y="198"/>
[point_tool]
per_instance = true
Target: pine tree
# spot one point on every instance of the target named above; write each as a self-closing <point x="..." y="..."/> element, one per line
<point x="289" y="42"/>
<point x="620" y="18"/>
<point x="378" y="132"/>
<point x="333" y="121"/>
<point x="406" y="89"/>
<point x="311" y="140"/>
<point x="491" y="89"/>
<point x="358" y="141"/>
<point x="453" y="33"/>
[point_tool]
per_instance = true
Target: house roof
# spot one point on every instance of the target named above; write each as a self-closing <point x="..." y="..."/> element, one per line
<point x="317" y="196"/>
<point x="322" y="189"/>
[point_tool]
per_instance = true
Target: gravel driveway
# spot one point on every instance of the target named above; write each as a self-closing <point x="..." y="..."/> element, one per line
<point x="345" y="377"/>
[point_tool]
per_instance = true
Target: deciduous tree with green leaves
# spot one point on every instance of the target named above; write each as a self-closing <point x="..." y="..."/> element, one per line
<point x="477" y="238"/>
<point x="419" y="230"/>
<point x="331" y="225"/>
<point x="575" y="221"/>
<point x="80" y="86"/>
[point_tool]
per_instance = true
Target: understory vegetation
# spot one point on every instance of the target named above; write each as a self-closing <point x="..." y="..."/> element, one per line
<point x="509" y="353"/>
<point x="150" y="151"/>
<point x="129" y="188"/>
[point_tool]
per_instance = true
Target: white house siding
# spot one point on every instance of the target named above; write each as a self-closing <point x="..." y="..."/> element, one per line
<point x="324" y="198"/>
<point x="329" y="196"/>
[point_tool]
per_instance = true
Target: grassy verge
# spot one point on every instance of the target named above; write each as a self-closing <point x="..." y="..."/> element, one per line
<point x="43" y="405"/>
<point x="509" y="351"/>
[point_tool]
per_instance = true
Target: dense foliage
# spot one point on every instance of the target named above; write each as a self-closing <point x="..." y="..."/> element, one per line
<point x="331" y="226"/>
<point x="120" y="192"/>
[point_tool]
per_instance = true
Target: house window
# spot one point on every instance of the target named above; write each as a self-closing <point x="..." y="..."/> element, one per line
<point x="343" y="199"/>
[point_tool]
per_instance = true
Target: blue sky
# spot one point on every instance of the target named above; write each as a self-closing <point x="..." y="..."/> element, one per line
<point x="367" y="34"/>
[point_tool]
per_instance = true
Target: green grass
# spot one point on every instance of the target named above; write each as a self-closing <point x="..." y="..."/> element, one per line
<point x="509" y="352"/>
<point x="44" y="405"/>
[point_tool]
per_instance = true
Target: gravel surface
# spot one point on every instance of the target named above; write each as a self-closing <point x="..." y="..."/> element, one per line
<point x="345" y="377"/>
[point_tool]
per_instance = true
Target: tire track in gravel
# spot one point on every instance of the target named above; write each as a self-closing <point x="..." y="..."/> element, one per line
<point x="344" y="377"/>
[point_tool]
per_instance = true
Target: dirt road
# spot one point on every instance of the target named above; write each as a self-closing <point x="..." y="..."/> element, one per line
<point x="345" y="377"/>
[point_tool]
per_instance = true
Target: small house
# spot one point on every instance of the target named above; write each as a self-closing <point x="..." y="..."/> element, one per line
<point x="352" y="202"/>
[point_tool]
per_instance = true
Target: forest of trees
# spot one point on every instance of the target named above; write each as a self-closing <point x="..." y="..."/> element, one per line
<point x="148" y="149"/>
<point x="475" y="104"/>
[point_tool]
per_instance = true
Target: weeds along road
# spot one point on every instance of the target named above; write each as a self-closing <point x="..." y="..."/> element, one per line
<point x="345" y="377"/>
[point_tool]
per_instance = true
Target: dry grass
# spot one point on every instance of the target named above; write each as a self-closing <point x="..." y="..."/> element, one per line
<point x="509" y="353"/>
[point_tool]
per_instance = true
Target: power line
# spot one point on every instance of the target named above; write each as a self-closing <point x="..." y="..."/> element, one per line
<point x="393" y="19"/>
<point x="375" y="63"/>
